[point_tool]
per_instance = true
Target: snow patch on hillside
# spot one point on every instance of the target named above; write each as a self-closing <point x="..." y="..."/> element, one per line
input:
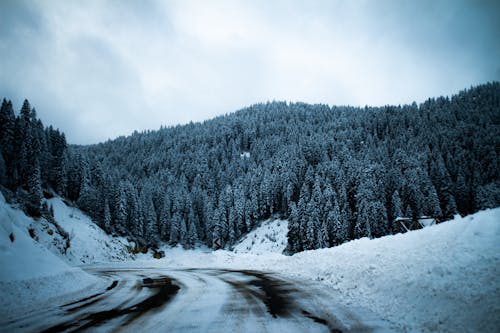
<point x="269" y="237"/>
<point x="28" y="270"/>
<point x="88" y="242"/>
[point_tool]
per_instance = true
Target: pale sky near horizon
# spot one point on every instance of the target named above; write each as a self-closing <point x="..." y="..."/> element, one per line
<point x="99" y="69"/>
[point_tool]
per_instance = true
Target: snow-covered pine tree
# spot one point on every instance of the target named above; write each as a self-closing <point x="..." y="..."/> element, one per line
<point x="337" y="230"/>
<point x="121" y="210"/>
<point x="192" y="235"/>
<point x="183" y="234"/>
<point x="7" y="141"/>
<point x="175" y="229"/>
<point x="151" y="234"/>
<point x="107" y="218"/>
<point x="294" y="244"/>
<point x="313" y="217"/>
<point x="396" y="205"/>
<point x="34" y="186"/>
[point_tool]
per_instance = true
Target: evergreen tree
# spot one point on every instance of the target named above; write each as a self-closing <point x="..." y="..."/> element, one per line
<point x="88" y="199"/>
<point x="107" y="218"/>
<point x="209" y="214"/>
<point x="121" y="210"/>
<point x="337" y="229"/>
<point x="302" y="215"/>
<point x="175" y="229"/>
<point x="136" y="215"/>
<point x="165" y="219"/>
<point x="183" y="234"/>
<point x="151" y="234"/>
<point x="219" y="228"/>
<point x="487" y="196"/>
<point x="396" y="205"/>
<point x="34" y="191"/>
<point x="192" y="236"/>
<point x="313" y="218"/>
<point x="3" y="171"/>
<point x="293" y="234"/>
<point x="7" y="142"/>
<point x="322" y="235"/>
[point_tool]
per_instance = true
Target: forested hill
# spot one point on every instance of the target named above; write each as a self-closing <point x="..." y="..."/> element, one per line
<point x="337" y="173"/>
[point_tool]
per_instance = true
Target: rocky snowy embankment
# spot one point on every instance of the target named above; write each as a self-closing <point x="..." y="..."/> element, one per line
<point x="30" y="273"/>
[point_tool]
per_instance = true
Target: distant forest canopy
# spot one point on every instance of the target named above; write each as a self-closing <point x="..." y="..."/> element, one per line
<point x="337" y="173"/>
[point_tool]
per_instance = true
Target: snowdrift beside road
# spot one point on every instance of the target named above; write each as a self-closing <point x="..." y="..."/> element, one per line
<point x="443" y="278"/>
<point x="29" y="272"/>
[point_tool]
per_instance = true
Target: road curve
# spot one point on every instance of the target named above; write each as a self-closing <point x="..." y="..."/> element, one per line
<point x="192" y="300"/>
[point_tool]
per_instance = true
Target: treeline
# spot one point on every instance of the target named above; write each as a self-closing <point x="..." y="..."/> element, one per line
<point x="337" y="173"/>
<point x="32" y="157"/>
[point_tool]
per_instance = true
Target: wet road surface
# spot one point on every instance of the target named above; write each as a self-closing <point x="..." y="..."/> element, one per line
<point x="192" y="300"/>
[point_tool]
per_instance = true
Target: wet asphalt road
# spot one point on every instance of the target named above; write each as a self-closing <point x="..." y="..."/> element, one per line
<point x="192" y="300"/>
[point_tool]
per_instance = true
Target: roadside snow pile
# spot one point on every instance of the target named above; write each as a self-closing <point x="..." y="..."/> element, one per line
<point x="88" y="242"/>
<point x="443" y="278"/>
<point x="270" y="236"/>
<point x="29" y="272"/>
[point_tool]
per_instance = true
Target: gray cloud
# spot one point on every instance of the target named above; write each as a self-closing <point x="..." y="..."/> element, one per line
<point x="99" y="69"/>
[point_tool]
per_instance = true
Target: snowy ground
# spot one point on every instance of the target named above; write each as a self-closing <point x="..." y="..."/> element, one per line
<point x="443" y="278"/>
<point x="29" y="272"/>
<point x="270" y="236"/>
<point x="89" y="243"/>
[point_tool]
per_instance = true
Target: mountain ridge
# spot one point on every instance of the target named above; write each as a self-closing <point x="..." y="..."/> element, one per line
<point x="336" y="173"/>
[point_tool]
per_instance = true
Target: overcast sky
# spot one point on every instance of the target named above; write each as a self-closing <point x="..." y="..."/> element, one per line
<point x="100" y="69"/>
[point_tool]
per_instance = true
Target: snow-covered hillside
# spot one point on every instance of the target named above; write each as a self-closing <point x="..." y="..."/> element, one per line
<point x="29" y="272"/>
<point x="88" y="242"/>
<point x="270" y="236"/>
<point x="74" y="237"/>
<point x="439" y="279"/>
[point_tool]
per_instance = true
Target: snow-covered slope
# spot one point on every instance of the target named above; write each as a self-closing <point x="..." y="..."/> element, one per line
<point x="443" y="278"/>
<point x="28" y="270"/>
<point x="270" y="236"/>
<point x="88" y="242"/>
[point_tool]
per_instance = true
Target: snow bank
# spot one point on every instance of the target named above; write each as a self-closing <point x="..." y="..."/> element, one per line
<point x="29" y="272"/>
<point x="270" y="236"/>
<point x="24" y="258"/>
<point x="442" y="278"/>
<point x="89" y="243"/>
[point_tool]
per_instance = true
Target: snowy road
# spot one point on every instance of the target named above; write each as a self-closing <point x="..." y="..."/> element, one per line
<point x="193" y="300"/>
